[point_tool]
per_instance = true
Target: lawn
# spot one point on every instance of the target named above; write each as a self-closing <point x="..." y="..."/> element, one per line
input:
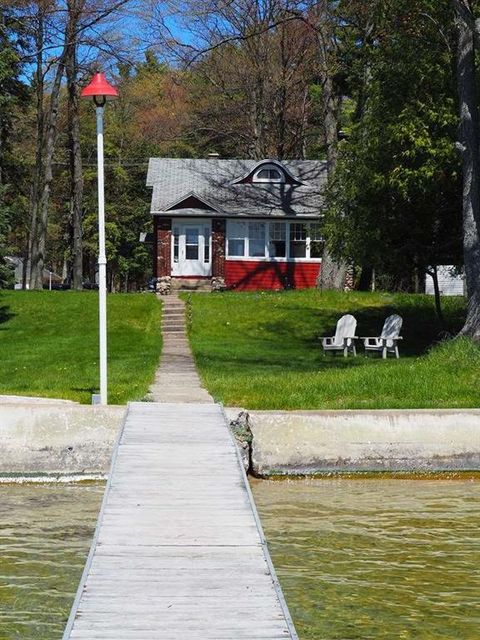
<point x="49" y="344"/>
<point x="261" y="351"/>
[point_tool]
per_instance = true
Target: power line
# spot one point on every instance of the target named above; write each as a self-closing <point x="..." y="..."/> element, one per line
<point x="106" y="164"/>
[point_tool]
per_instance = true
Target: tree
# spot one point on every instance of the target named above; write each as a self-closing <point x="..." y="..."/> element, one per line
<point x="262" y="109"/>
<point x="14" y="97"/>
<point x="75" y="10"/>
<point x="468" y="144"/>
<point x="62" y="35"/>
<point x="44" y="21"/>
<point x="394" y="202"/>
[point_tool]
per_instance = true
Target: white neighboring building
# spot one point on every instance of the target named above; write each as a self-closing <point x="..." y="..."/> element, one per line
<point x="450" y="282"/>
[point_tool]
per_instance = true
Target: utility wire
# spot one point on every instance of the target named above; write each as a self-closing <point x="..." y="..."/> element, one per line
<point x="106" y="164"/>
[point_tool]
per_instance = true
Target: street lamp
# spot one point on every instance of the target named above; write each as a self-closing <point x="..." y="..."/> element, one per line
<point x="101" y="90"/>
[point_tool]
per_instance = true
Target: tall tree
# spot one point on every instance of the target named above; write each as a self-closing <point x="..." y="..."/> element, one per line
<point x="61" y="36"/>
<point x="468" y="144"/>
<point x="43" y="21"/>
<point x="395" y="198"/>
<point x="325" y="21"/>
<point x="14" y="98"/>
<point x="261" y="110"/>
<point x="75" y="10"/>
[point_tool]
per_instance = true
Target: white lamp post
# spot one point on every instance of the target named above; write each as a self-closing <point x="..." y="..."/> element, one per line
<point x="100" y="90"/>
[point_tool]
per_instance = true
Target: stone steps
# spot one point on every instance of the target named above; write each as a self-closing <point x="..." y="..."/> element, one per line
<point x="190" y="284"/>
<point x="176" y="379"/>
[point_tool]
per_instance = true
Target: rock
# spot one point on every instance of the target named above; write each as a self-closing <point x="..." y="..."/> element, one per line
<point x="242" y="432"/>
<point x="218" y="284"/>
<point x="164" y="285"/>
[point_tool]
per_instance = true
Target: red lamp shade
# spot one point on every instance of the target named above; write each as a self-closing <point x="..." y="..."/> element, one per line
<point x="99" y="87"/>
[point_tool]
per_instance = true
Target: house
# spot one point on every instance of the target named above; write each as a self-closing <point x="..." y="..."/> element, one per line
<point x="244" y="223"/>
<point x="451" y="282"/>
<point x="22" y="274"/>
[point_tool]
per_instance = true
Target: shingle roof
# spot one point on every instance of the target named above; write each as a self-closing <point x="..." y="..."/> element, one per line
<point x="173" y="179"/>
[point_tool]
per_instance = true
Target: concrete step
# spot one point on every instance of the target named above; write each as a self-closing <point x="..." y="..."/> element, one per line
<point x="193" y="284"/>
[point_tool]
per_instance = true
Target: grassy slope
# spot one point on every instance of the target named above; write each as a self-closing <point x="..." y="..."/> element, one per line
<point x="261" y="351"/>
<point x="49" y="344"/>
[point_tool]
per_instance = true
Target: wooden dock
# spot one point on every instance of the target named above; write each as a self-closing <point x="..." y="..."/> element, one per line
<point x="178" y="552"/>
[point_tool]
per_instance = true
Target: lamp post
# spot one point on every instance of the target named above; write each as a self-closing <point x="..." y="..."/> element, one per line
<point x="100" y="90"/>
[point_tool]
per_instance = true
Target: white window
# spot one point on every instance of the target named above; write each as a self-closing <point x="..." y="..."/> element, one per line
<point x="317" y="242"/>
<point x="256" y="239"/>
<point x="176" y="236"/>
<point x="237" y="232"/>
<point x="268" y="173"/>
<point x="298" y="240"/>
<point x="277" y="246"/>
<point x="206" y="244"/>
<point x="274" y="240"/>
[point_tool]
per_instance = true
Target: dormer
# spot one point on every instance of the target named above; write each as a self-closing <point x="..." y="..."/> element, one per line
<point x="268" y="172"/>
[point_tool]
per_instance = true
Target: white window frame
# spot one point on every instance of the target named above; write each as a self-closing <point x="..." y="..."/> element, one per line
<point x="267" y="257"/>
<point x="269" y="167"/>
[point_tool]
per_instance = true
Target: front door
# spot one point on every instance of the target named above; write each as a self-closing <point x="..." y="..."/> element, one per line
<point x="191" y="250"/>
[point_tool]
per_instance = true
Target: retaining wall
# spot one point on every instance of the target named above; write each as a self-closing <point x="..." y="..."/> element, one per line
<point x="48" y="437"/>
<point x="299" y="442"/>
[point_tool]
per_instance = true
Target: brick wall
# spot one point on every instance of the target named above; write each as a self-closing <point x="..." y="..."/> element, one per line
<point x="163" y="244"/>
<point x="218" y="248"/>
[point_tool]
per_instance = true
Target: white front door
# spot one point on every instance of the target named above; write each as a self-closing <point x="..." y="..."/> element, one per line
<point x="191" y="248"/>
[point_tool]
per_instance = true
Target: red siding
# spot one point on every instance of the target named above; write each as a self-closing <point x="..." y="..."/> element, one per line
<point x="252" y="275"/>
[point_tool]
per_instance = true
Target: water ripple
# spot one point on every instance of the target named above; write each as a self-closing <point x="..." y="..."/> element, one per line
<point x="376" y="559"/>
<point x="45" y="534"/>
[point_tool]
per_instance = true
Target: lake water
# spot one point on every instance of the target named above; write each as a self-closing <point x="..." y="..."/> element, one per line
<point x="376" y="559"/>
<point x="45" y="535"/>
<point x="357" y="559"/>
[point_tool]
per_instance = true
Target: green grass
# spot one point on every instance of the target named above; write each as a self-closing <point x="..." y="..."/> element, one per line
<point x="49" y="344"/>
<point x="261" y="351"/>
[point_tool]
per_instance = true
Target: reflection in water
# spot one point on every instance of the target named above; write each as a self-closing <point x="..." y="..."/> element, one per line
<point x="45" y="534"/>
<point x="376" y="559"/>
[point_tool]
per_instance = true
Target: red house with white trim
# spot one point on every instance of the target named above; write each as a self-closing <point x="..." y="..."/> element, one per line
<point x="254" y="225"/>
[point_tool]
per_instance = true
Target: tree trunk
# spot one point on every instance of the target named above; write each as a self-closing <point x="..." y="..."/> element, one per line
<point x="333" y="272"/>
<point x="38" y="170"/>
<point x="469" y="145"/>
<point x="438" y="301"/>
<point x="366" y="278"/>
<point x="42" y="192"/>
<point x="75" y="8"/>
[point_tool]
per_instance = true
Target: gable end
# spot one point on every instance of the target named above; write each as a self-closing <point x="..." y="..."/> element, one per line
<point x="191" y="202"/>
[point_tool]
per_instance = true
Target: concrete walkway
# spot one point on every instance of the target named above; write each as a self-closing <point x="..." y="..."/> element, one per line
<point x="176" y="379"/>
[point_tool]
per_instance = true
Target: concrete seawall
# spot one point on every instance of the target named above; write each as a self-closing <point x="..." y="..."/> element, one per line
<point x="64" y="438"/>
<point x="300" y="442"/>
<point x="52" y="437"/>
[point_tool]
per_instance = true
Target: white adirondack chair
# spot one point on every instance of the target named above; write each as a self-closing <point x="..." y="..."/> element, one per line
<point x="344" y="338"/>
<point x="387" y="342"/>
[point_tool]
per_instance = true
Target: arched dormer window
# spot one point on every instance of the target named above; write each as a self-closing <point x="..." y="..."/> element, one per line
<point x="268" y="173"/>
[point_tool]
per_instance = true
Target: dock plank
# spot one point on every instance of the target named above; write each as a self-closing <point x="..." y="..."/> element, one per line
<point x="178" y="551"/>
